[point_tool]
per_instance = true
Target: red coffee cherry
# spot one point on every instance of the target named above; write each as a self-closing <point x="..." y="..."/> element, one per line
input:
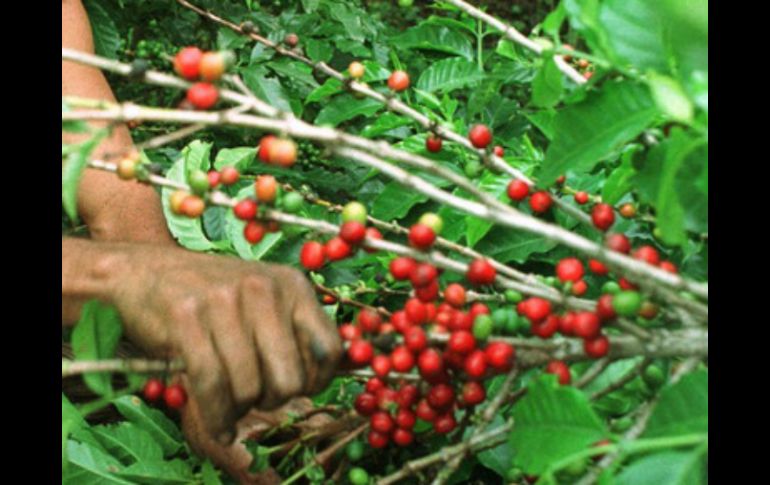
<point x="546" y="328"/>
<point x="282" y="152"/>
<point x="153" y="389"/>
<point x="403" y="437"/>
<point x="365" y="404"/>
<point x="416" y="311"/>
<point x="428" y="293"/>
<point x="618" y="242"/>
<point x="175" y="396"/>
<point x="349" y="331"/>
<point x="360" y="352"/>
<point x="627" y="210"/>
<point x="498" y="151"/>
<point x="444" y="424"/>
<point x="398" y="81"/>
<point x="266" y="188"/>
<point x="415" y="339"/>
<point x="536" y="309"/>
<point x="477" y="309"/>
<point x="648" y="310"/>
<point x="567" y="324"/>
<point x="407" y="396"/>
<point x="312" y="256"/>
<point x="421" y="236"/>
<point x="668" y="266"/>
<point x="433" y="143"/>
<point x="265" y="145"/>
<point x="245" y="210"/>
<point x="587" y="325"/>
<point x="597" y="267"/>
<point x="597" y="347"/>
<point x="603" y="216"/>
<point x="461" y="342"/>
<point x="579" y="288"/>
<point x="187" y="62"/>
<point x="381" y="365"/>
<point x="441" y="396"/>
<point x="400" y="321"/>
<point x="214" y="178"/>
<point x="405" y="419"/>
<point x="475" y="364"/>
<point x="461" y="321"/>
<point x="369" y="320"/>
<point x="254" y="231"/>
<point x="374" y="384"/>
<point x="540" y="202"/>
<point x="473" y="393"/>
<point x="454" y="294"/>
<point x="423" y="275"/>
<point x="202" y="95"/>
<point x="402" y="267"/>
<point x="561" y="179"/>
<point x="192" y="206"/>
<point x="500" y="356"/>
<point x="569" y="269"/>
<point x="626" y="285"/>
<point x="481" y="272"/>
<point x="336" y="249"/>
<point x="352" y="232"/>
<point x="424" y="411"/>
<point x="518" y="190"/>
<point x="372" y="233"/>
<point x="480" y="136"/>
<point x="430" y="362"/>
<point x="647" y="254"/>
<point x="229" y="175"/>
<point x="561" y="370"/>
<point x="212" y="66"/>
<point x="604" y="309"/>
<point x="377" y="440"/>
<point x="401" y="359"/>
<point x="581" y="197"/>
<point x="386" y="398"/>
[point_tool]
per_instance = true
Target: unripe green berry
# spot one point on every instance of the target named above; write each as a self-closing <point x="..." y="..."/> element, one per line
<point x="358" y="476"/>
<point x="199" y="182"/>
<point x="433" y="221"/>
<point x="627" y="303"/>
<point x="473" y="169"/>
<point x="354" y="211"/>
<point x="355" y="450"/>
<point x="654" y="376"/>
<point x="482" y="327"/>
<point x="513" y="296"/>
<point x="611" y="287"/>
<point x="292" y="202"/>
<point x="512" y="324"/>
<point x="500" y="318"/>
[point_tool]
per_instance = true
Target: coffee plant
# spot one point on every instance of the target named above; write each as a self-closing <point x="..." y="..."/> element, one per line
<point x="510" y="231"/>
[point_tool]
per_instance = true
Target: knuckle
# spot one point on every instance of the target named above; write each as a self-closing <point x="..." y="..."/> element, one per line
<point x="184" y="307"/>
<point x="258" y="284"/>
<point x="288" y="387"/>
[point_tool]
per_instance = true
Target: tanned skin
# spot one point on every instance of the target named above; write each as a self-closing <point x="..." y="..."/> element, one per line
<point x="252" y="335"/>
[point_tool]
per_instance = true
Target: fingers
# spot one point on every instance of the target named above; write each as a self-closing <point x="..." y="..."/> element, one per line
<point x="282" y="371"/>
<point x="207" y="377"/>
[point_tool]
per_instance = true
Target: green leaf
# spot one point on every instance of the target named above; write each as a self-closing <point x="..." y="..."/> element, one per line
<point x="547" y="86"/>
<point x="240" y="158"/>
<point x="586" y="132"/>
<point x="346" y="107"/>
<point x="634" y="31"/>
<point x="620" y="180"/>
<point x="187" y="231"/>
<point x="449" y="74"/>
<point x="666" y="468"/>
<point x="330" y="87"/>
<point x="507" y="245"/>
<point x="551" y="423"/>
<point x="105" y="32"/>
<point x="385" y="123"/>
<point x="318" y="51"/>
<point x="163" y="430"/>
<point x="395" y="201"/>
<point x="267" y="89"/>
<point x="497" y="458"/>
<point x="89" y="465"/>
<point x="127" y="442"/>
<point x="72" y="172"/>
<point x="670" y="98"/>
<point x="96" y="337"/>
<point x="151" y="472"/>
<point x="554" y="20"/>
<point x="583" y="16"/>
<point x="294" y="70"/>
<point x="683" y="408"/>
<point x="234" y="229"/>
<point x="437" y="38"/>
<point x="491" y="184"/>
<point x="349" y="19"/>
<point x="209" y="474"/>
<point x="196" y="156"/>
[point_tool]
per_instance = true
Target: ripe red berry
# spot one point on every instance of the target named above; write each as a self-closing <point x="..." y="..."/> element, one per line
<point x="430" y="362"/>
<point x="374" y="384"/>
<point x="603" y="216"/>
<point x="398" y="81"/>
<point x="266" y="188"/>
<point x="461" y="342"/>
<point x="561" y="179"/>
<point x="536" y="309"/>
<point x="477" y="309"/>
<point x="403" y="437"/>
<point x="597" y="347"/>
<point x="668" y="266"/>
<point x="540" y="202"/>
<point x="597" y="267"/>
<point x="424" y="411"/>
<point x="336" y="249"/>
<point x="175" y="396"/>
<point x="372" y="233"/>
<point x="480" y="136"/>
<point x="214" y="178"/>
<point x="579" y="288"/>
<point x="498" y="151"/>
<point x="153" y="389"/>
<point x="421" y="236"/>
<point x="604" y="309"/>
<point x="423" y="275"/>
<point x="647" y="254"/>
<point x="581" y="198"/>
<point x="187" y="62"/>
<point x="618" y="242"/>
<point x="561" y="370"/>
<point x="518" y="190"/>
<point x="360" y="352"/>
<point x="569" y="269"/>
<point x="400" y="321"/>
<point x="229" y="175"/>
<point x="567" y="324"/>
<point x="402" y="267"/>
<point x="381" y="365"/>
<point x="254" y="231"/>
<point x="192" y="206"/>
<point x="473" y="393"/>
<point x="265" y="145"/>
<point x="500" y="356"/>
<point x="416" y="311"/>
<point x="386" y="398"/>
<point x="428" y="293"/>
<point x="405" y="419"/>
<point x="461" y="321"/>
<point x="402" y="359"/>
<point x="212" y="66"/>
<point x="454" y="294"/>
<point x="415" y="339"/>
<point x="444" y="424"/>
<point x="476" y="364"/>
<point x="626" y="285"/>
<point x="369" y="320"/>
<point x="546" y="328"/>
<point x="202" y="95"/>
<point x="433" y="143"/>
<point x="349" y="331"/>
<point x="352" y="232"/>
<point x="377" y="440"/>
<point x="441" y="396"/>
<point x="245" y="209"/>
<point x="406" y="396"/>
<point x="365" y="404"/>
<point x="282" y="152"/>
<point x="587" y="325"/>
<point x="481" y="272"/>
<point x="312" y="255"/>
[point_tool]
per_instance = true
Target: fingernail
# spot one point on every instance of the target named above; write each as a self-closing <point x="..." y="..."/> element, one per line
<point x="225" y="438"/>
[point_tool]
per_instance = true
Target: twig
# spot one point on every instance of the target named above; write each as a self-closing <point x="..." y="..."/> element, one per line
<point x="623" y="380"/>
<point x="593" y="372"/>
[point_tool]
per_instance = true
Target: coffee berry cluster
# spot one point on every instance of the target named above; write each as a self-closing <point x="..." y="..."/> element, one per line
<point x="174" y="396"/>
<point x="206" y="68"/>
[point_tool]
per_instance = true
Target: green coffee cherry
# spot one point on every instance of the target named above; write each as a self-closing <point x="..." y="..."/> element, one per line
<point x="513" y="296"/>
<point x="292" y="202"/>
<point x="199" y="182"/>
<point x="611" y="287"/>
<point x="482" y="327"/>
<point x="627" y="303"/>
<point x="473" y="169"/>
<point x="355" y="450"/>
<point x="500" y="318"/>
<point x="512" y="324"/>
<point x="654" y="376"/>
<point x="354" y="211"/>
<point x="358" y="476"/>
